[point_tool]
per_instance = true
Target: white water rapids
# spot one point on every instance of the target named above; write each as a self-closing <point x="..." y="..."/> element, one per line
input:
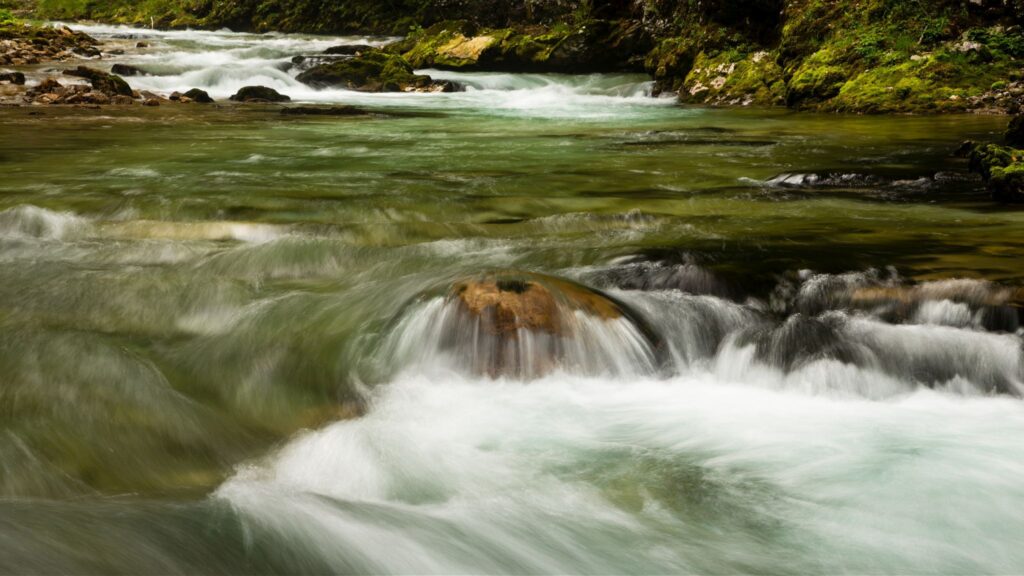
<point x="222" y="62"/>
<point x="786" y="457"/>
<point x="239" y="275"/>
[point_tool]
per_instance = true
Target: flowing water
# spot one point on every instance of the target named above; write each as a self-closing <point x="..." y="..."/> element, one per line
<point x="229" y="344"/>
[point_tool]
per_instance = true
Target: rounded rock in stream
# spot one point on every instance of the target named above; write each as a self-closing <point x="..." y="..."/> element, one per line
<point x="524" y="325"/>
<point x="259" y="94"/>
<point x="508" y="304"/>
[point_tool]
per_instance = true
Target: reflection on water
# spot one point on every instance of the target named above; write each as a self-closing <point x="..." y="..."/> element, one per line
<point x="229" y="341"/>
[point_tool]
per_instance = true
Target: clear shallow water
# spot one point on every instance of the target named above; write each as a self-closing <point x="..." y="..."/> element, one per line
<point x="219" y="347"/>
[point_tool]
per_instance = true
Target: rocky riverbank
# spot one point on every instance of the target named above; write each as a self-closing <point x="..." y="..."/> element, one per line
<point x="58" y="66"/>
<point x="23" y="45"/>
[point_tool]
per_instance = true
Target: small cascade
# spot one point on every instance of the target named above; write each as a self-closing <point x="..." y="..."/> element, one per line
<point x="525" y="326"/>
<point x="27" y="221"/>
<point x="863" y="334"/>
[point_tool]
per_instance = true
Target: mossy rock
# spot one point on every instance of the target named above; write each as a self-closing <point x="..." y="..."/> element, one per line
<point x="1002" y="168"/>
<point x="734" y="78"/>
<point x="814" y="82"/>
<point x="450" y="50"/>
<point x="670" y="62"/>
<point x="502" y="49"/>
<point x="371" y="71"/>
<point x="942" y="82"/>
<point x="593" y="46"/>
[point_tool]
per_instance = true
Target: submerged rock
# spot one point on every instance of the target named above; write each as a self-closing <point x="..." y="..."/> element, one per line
<point x="259" y="94"/>
<point x="323" y="111"/>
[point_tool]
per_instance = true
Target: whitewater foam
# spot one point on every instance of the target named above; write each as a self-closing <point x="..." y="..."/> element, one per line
<point x="222" y="62"/>
<point x="595" y="475"/>
<point x="27" y="221"/>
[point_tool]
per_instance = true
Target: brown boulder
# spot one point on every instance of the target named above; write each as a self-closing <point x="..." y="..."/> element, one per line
<point x="525" y="325"/>
<point x="514" y="302"/>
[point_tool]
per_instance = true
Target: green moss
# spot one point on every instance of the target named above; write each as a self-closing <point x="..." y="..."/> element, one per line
<point x="997" y="40"/>
<point x="733" y="77"/>
<point x="1002" y="168"/>
<point x="459" y="46"/>
<point x="374" y="70"/>
<point x="815" y="82"/>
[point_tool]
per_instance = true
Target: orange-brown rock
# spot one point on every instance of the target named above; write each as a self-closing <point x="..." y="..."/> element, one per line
<point x="511" y="301"/>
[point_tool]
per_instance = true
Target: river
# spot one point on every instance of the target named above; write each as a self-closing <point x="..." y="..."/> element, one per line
<point x="224" y="349"/>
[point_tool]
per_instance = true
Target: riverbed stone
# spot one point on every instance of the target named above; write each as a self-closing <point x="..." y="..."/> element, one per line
<point x="323" y="111"/>
<point x="101" y="81"/>
<point x="198" y="96"/>
<point x="127" y="70"/>
<point x="17" y="78"/>
<point x="259" y="94"/>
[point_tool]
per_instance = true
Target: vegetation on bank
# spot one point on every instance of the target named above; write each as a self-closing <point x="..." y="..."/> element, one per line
<point x="1001" y="165"/>
<point x="868" y="56"/>
<point x="7" y="18"/>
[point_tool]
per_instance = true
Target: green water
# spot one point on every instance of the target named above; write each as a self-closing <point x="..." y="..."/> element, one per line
<point x="185" y="290"/>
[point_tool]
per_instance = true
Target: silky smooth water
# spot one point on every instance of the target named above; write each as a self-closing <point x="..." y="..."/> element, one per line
<point x="222" y="333"/>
